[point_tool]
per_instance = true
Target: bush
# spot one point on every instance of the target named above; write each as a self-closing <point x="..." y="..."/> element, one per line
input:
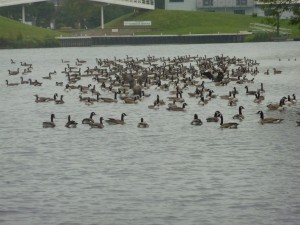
<point x="51" y="42"/>
<point x="5" y="43"/>
<point x="20" y="42"/>
<point x="259" y="37"/>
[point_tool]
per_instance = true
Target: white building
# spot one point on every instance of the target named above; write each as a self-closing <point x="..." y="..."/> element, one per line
<point x="247" y="7"/>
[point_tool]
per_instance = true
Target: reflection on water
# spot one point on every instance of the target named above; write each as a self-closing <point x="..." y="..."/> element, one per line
<point x="170" y="173"/>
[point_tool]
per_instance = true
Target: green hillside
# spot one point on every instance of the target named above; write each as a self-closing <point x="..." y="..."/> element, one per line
<point x="184" y="22"/>
<point x="15" y="34"/>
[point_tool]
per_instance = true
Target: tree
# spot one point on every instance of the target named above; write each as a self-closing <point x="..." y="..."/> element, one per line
<point x="86" y="14"/>
<point x="41" y="12"/>
<point x="296" y="12"/>
<point x="277" y="7"/>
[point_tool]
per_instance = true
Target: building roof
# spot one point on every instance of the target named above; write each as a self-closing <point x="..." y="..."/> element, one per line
<point x="145" y="4"/>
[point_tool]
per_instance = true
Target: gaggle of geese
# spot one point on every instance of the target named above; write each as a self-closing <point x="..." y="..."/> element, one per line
<point x="127" y="80"/>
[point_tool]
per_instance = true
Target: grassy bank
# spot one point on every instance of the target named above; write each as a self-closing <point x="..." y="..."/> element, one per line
<point x="14" y="34"/>
<point x="184" y="22"/>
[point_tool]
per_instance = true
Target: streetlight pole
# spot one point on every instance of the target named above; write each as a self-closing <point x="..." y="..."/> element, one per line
<point x="102" y="17"/>
<point x="23" y="13"/>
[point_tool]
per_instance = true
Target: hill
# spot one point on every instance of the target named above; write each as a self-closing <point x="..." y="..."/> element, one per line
<point x="185" y="22"/>
<point x="14" y="34"/>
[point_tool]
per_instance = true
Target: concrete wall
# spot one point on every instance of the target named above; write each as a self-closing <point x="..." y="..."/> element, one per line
<point x="151" y="39"/>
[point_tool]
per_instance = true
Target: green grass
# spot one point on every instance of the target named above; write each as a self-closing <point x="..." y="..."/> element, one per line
<point x="15" y="34"/>
<point x="185" y="22"/>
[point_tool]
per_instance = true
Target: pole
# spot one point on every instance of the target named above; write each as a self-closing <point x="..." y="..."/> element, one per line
<point x="102" y="18"/>
<point x="23" y="13"/>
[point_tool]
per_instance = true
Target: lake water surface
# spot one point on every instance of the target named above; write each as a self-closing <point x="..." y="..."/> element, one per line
<point x="170" y="173"/>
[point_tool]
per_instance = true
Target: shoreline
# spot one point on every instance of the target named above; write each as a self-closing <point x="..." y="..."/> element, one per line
<point x="87" y="41"/>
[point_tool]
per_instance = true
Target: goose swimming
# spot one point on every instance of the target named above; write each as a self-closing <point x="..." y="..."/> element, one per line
<point x="50" y="124"/>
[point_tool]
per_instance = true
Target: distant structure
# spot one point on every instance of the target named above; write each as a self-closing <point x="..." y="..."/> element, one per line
<point x="246" y="7"/>
<point x="143" y="4"/>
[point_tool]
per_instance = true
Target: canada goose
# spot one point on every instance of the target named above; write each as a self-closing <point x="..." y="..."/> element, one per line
<point x="59" y="83"/>
<point x="50" y="124"/>
<point x="275" y="71"/>
<point x="60" y="101"/>
<point x="145" y="95"/>
<point x="159" y="101"/>
<point x="227" y="125"/>
<point x="173" y="104"/>
<point x="289" y="101"/>
<point x="26" y="71"/>
<point x="71" y="67"/>
<point x="88" y="101"/>
<point x="235" y="91"/>
<point x="89" y="120"/>
<point x="113" y="121"/>
<point x="78" y="64"/>
<point x="210" y="94"/>
<point x="267" y="72"/>
<point x="95" y="99"/>
<point x="52" y="73"/>
<point x="40" y="99"/>
<point x="195" y="94"/>
<point x="80" y="61"/>
<point x="181" y="109"/>
<point x="24" y="81"/>
<point x="123" y="94"/>
<point x="82" y="90"/>
<point x="240" y="115"/>
<point x="268" y="120"/>
<point x="142" y="124"/>
<point x="154" y="106"/>
<point x="294" y="100"/>
<point x="129" y="100"/>
<point x="83" y="98"/>
<point x="262" y="90"/>
<point x="110" y="100"/>
<point x="226" y="97"/>
<point x="11" y="84"/>
<point x="71" y="123"/>
<point x="16" y="72"/>
<point x="97" y="125"/>
<point x="298" y="123"/>
<point x="69" y="87"/>
<point x="34" y="83"/>
<point x="214" y="118"/>
<point x="54" y="97"/>
<point x="257" y="98"/>
<point x="45" y="99"/>
<point x="231" y="102"/>
<point x="196" y="121"/>
<point x="48" y="77"/>
<point x="178" y="97"/>
<point x="65" y="61"/>
<point x="249" y="92"/>
<point x="12" y="61"/>
<point x="277" y="106"/>
<point x="94" y="91"/>
<point x="26" y="64"/>
<point x="203" y="101"/>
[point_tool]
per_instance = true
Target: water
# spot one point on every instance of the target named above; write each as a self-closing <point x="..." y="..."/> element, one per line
<point x="170" y="173"/>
